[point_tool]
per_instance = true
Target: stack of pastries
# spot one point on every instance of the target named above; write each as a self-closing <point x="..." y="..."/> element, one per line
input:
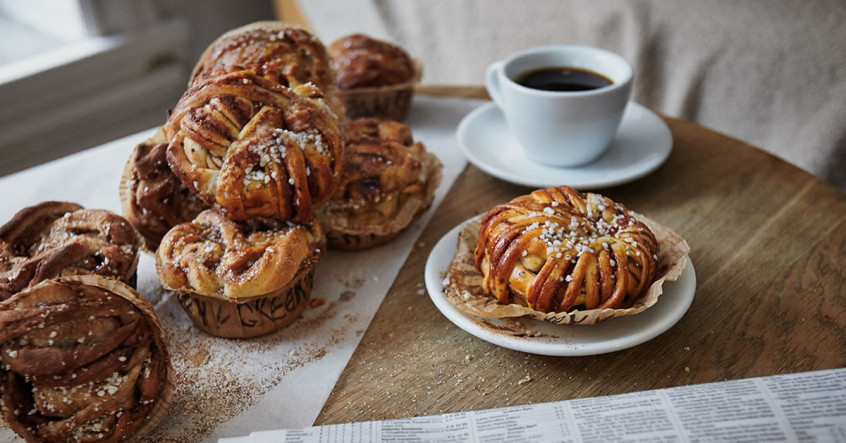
<point x="227" y="193"/>
<point x="253" y="145"/>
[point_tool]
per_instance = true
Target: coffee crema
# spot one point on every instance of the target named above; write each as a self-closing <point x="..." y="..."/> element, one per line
<point x="562" y="79"/>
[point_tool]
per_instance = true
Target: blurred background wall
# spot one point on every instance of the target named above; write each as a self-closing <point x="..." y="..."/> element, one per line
<point x="78" y="73"/>
<point x="769" y="72"/>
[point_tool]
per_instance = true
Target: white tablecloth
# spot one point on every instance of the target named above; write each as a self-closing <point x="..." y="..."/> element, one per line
<point x="232" y="387"/>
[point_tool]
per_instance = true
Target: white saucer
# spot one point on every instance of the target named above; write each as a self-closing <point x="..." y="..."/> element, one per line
<point x="562" y="340"/>
<point x="642" y="144"/>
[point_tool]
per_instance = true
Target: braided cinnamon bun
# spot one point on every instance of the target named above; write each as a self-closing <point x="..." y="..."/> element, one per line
<point x="153" y="199"/>
<point x="562" y="250"/>
<point x="254" y="148"/>
<point x="388" y="180"/>
<point x="362" y="61"/>
<point x="53" y="239"/>
<point x="279" y="51"/>
<point x="84" y="359"/>
<point x="240" y="279"/>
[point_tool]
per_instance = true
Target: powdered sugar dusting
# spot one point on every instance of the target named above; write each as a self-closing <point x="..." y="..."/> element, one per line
<point x="217" y="379"/>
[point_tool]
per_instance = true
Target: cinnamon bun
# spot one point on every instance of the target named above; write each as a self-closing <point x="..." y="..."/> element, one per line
<point x="53" y="239"/>
<point x="152" y="197"/>
<point x="84" y="359"/>
<point x="253" y="148"/>
<point x="561" y="250"/>
<point x="240" y="279"/>
<point x="388" y="180"/>
<point x="284" y="53"/>
<point x="375" y="78"/>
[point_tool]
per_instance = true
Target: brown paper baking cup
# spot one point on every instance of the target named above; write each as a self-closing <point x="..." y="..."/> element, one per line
<point x="390" y="102"/>
<point x="249" y="317"/>
<point x="463" y="283"/>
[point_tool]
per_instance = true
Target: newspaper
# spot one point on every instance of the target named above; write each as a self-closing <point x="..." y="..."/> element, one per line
<point x="807" y="407"/>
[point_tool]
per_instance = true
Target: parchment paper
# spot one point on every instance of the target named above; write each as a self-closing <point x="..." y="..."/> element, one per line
<point x="232" y="387"/>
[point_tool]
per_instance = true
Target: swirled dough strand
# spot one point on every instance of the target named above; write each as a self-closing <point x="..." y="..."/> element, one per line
<point x="253" y="148"/>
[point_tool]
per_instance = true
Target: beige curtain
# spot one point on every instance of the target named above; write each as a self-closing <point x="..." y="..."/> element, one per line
<point x="770" y="72"/>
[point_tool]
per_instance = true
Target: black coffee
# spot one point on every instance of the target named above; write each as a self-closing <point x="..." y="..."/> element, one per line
<point x="562" y="78"/>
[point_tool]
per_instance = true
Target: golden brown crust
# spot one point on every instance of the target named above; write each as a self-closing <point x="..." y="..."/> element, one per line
<point x="388" y="181"/>
<point x="253" y="148"/>
<point x="84" y="359"/>
<point x="281" y="52"/>
<point x="375" y="78"/>
<point x="217" y="257"/>
<point x="561" y="250"/>
<point x="276" y="50"/>
<point x="152" y="197"/>
<point x="53" y="239"/>
<point x="361" y="61"/>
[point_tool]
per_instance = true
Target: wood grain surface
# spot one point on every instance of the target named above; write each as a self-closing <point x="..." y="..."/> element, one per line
<point x="768" y="242"/>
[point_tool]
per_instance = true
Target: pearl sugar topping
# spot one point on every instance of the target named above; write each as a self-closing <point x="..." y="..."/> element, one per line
<point x="581" y="233"/>
<point x="274" y="150"/>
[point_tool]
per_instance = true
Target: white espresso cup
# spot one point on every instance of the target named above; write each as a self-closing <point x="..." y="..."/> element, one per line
<point x="561" y="128"/>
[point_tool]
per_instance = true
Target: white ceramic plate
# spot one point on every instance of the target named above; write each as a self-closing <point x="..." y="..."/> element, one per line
<point x="642" y="144"/>
<point x="561" y="340"/>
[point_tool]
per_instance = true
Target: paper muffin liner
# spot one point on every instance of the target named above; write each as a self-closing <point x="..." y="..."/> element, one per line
<point x="249" y="317"/>
<point x="390" y="102"/>
<point x="164" y="394"/>
<point x="339" y="237"/>
<point x="463" y="282"/>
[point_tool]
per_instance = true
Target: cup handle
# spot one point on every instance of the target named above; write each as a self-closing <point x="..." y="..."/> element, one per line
<point x="492" y="82"/>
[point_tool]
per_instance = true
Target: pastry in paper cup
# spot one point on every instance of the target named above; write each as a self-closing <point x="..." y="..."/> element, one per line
<point x="240" y="279"/>
<point x="375" y="78"/>
<point x="464" y="284"/>
<point x="388" y="180"/>
<point x="285" y="53"/>
<point x="84" y="359"/>
<point x="390" y="102"/>
<point x="53" y="239"/>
